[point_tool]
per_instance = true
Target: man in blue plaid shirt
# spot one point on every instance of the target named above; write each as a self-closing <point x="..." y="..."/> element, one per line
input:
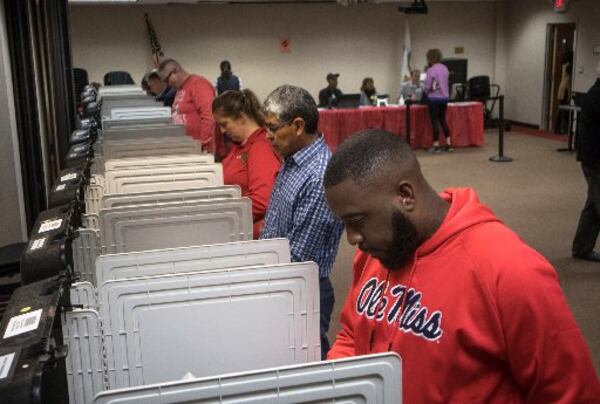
<point x="298" y="210"/>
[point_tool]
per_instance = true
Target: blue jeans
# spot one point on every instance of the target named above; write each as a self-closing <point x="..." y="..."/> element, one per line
<point x="327" y="301"/>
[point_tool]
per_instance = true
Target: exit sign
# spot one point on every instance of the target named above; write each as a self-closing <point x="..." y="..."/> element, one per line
<point x="560" y="5"/>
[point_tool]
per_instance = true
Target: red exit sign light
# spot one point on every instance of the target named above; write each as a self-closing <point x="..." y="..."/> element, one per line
<point x="561" y="5"/>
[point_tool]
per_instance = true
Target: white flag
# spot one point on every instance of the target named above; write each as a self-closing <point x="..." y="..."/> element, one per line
<point x="406" y="52"/>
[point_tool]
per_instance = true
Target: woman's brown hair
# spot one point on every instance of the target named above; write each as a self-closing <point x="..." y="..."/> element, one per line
<point x="232" y="104"/>
<point x="434" y="56"/>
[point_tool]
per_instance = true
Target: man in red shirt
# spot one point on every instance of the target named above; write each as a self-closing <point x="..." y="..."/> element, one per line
<point x="193" y="102"/>
<point x="476" y="315"/>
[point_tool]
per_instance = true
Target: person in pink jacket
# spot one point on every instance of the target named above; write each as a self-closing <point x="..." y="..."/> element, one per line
<point x="193" y="102"/>
<point x="476" y="315"/>
<point x="437" y="93"/>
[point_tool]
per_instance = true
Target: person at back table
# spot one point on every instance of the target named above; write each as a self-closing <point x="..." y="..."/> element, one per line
<point x="251" y="163"/>
<point x="367" y="91"/>
<point x="162" y="91"/>
<point x="227" y="80"/>
<point x="329" y="97"/>
<point x="438" y="95"/>
<point x="193" y="102"/>
<point x="412" y="90"/>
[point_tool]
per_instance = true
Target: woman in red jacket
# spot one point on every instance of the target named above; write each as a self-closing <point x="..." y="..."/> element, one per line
<point x="251" y="163"/>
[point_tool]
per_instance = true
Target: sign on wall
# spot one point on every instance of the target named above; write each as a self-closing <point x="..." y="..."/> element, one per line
<point x="561" y="5"/>
<point x="285" y="45"/>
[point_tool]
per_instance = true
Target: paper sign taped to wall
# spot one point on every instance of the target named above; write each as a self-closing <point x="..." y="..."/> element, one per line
<point x="285" y="45"/>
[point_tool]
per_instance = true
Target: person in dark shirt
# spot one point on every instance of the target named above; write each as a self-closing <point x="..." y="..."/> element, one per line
<point x="367" y="91"/>
<point x="227" y="81"/>
<point x="161" y="91"/>
<point x="330" y="95"/>
<point x="588" y="153"/>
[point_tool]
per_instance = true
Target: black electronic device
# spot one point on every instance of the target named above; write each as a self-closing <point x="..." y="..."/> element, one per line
<point x="45" y="257"/>
<point x="31" y="349"/>
<point x="88" y="99"/>
<point x="79" y="155"/>
<point x="64" y="194"/>
<point x="68" y="189"/>
<point x="92" y="109"/>
<point x="55" y="221"/>
<point x="79" y="136"/>
<point x="349" y="101"/>
<point x="48" y="252"/>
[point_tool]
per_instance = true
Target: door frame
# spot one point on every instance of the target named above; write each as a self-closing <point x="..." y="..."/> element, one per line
<point x="550" y="48"/>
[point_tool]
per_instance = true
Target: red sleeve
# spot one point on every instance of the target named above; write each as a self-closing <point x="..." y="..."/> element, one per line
<point x="203" y="102"/>
<point x="547" y="354"/>
<point x="198" y="99"/>
<point x="344" y="340"/>
<point x="263" y="166"/>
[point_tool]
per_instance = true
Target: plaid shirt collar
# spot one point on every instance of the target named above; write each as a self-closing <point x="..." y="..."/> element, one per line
<point x="307" y="153"/>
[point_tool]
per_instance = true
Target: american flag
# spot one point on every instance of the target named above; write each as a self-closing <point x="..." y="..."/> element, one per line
<point x="154" y="44"/>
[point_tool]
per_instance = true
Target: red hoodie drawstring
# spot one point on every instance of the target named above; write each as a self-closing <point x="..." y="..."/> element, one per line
<point x="396" y="324"/>
<point x="402" y="307"/>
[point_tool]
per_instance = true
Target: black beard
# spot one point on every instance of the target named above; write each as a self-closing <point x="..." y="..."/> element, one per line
<point x="404" y="242"/>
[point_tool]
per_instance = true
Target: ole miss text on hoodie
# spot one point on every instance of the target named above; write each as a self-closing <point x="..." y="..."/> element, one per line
<point x="477" y="317"/>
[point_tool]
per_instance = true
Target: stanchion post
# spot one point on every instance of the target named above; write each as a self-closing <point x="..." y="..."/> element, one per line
<point x="408" y="102"/>
<point x="501" y="158"/>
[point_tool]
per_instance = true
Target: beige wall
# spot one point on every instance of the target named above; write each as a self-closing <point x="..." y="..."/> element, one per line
<point x="528" y="22"/>
<point x="12" y="216"/>
<point x="505" y="40"/>
<point x="357" y="41"/>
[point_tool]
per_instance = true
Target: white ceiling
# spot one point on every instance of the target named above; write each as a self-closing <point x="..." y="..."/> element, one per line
<point x="146" y="2"/>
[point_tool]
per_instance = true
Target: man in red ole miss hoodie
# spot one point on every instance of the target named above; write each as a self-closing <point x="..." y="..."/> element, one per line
<point x="476" y="315"/>
<point x="193" y="102"/>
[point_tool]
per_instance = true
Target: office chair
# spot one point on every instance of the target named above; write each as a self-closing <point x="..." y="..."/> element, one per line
<point x="480" y="89"/>
<point x="117" y="78"/>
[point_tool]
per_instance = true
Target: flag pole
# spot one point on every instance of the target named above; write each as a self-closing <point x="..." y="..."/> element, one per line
<point x="154" y="44"/>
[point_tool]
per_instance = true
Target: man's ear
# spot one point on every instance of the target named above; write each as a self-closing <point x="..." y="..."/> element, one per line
<point x="299" y="125"/>
<point x="405" y="196"/>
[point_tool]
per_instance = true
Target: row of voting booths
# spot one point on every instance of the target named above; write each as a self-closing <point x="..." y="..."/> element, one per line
<point x="142" y="283"/>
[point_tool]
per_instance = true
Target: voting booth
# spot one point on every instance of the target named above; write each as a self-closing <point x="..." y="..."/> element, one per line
<point x="142" y="283"/>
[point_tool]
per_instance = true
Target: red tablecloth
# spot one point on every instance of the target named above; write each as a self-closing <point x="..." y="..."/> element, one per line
<point x="464" y="119"/>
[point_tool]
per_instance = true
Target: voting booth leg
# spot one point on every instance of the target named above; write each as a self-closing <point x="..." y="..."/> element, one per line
<point x="501" y="158"/>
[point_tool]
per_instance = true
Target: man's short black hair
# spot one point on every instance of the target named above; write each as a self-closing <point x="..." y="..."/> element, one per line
<point x="367" y="153"/>
<point x="225" y="64"/>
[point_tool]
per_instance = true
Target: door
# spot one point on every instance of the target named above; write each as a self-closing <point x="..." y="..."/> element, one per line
<point x="559" y="72"/>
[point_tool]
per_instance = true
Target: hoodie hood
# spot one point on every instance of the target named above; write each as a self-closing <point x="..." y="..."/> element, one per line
<point x="465" y="211"/>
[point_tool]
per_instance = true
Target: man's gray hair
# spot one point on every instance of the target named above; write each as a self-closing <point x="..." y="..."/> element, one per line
<point x="288" y="102"/>
<point x="168" y="62"/>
